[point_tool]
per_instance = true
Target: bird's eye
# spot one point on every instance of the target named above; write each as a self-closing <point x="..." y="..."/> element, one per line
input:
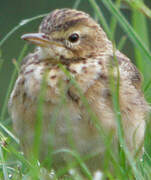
<point x="73" y="37"/>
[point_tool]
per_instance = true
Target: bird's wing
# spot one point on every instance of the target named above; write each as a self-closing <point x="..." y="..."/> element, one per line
<point x="127" y="70"/>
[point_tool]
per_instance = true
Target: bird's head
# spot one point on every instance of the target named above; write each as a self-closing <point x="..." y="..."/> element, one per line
<point x="69" y="34"/>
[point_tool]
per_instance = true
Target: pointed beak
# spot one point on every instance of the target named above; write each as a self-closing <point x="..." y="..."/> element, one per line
<point x="40" y="39"/>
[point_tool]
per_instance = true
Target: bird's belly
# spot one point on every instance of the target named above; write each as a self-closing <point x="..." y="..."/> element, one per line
<point x="62" y="127"/>
<point x="72" y="131"/>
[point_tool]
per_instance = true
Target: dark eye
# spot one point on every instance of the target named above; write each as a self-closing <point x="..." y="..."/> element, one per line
<point x="73" y="37"/>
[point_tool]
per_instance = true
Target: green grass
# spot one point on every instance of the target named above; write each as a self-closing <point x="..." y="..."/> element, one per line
<point x="12" y="161"/>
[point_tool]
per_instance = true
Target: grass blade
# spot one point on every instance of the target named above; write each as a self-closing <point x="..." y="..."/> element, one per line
<point x="4" y="108"/>
<point x="121" y="43"/>
<point x="22" y="23"/>
<point x="5" y="173"/>
<point x="140" y="6"/>
<point x="76" y="4"/>
<point x="127" y="28"/>
<point x="114" y="20"/>
<point x="143" y="32"/>
<point x="79" y="160"/>
<point x="101" y="17"/>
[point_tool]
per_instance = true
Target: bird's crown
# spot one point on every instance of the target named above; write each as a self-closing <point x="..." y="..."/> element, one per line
<point x="62" y="19"/>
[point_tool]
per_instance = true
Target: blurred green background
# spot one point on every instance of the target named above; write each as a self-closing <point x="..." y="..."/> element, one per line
<point x="12" y="12"/>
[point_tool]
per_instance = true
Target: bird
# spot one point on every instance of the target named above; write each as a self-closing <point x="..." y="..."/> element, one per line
<point x="71" y="70"/>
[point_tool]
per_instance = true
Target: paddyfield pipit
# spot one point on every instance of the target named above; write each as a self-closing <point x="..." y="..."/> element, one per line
<point x="71" y="46"/>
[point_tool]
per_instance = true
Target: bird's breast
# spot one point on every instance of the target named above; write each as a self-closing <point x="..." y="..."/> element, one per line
<point x="57" y="82"/>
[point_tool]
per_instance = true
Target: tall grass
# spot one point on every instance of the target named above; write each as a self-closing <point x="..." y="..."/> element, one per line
<point x="14" y="165"/>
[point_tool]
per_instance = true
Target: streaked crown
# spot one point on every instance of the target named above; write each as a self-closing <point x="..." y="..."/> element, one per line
<point x="62" y="19"/>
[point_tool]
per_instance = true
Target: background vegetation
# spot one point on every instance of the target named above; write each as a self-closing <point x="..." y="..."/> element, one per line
<point x="127" y="22"/>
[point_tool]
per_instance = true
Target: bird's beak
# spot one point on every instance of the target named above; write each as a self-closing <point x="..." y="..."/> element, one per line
<point x="40" y="39"/>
